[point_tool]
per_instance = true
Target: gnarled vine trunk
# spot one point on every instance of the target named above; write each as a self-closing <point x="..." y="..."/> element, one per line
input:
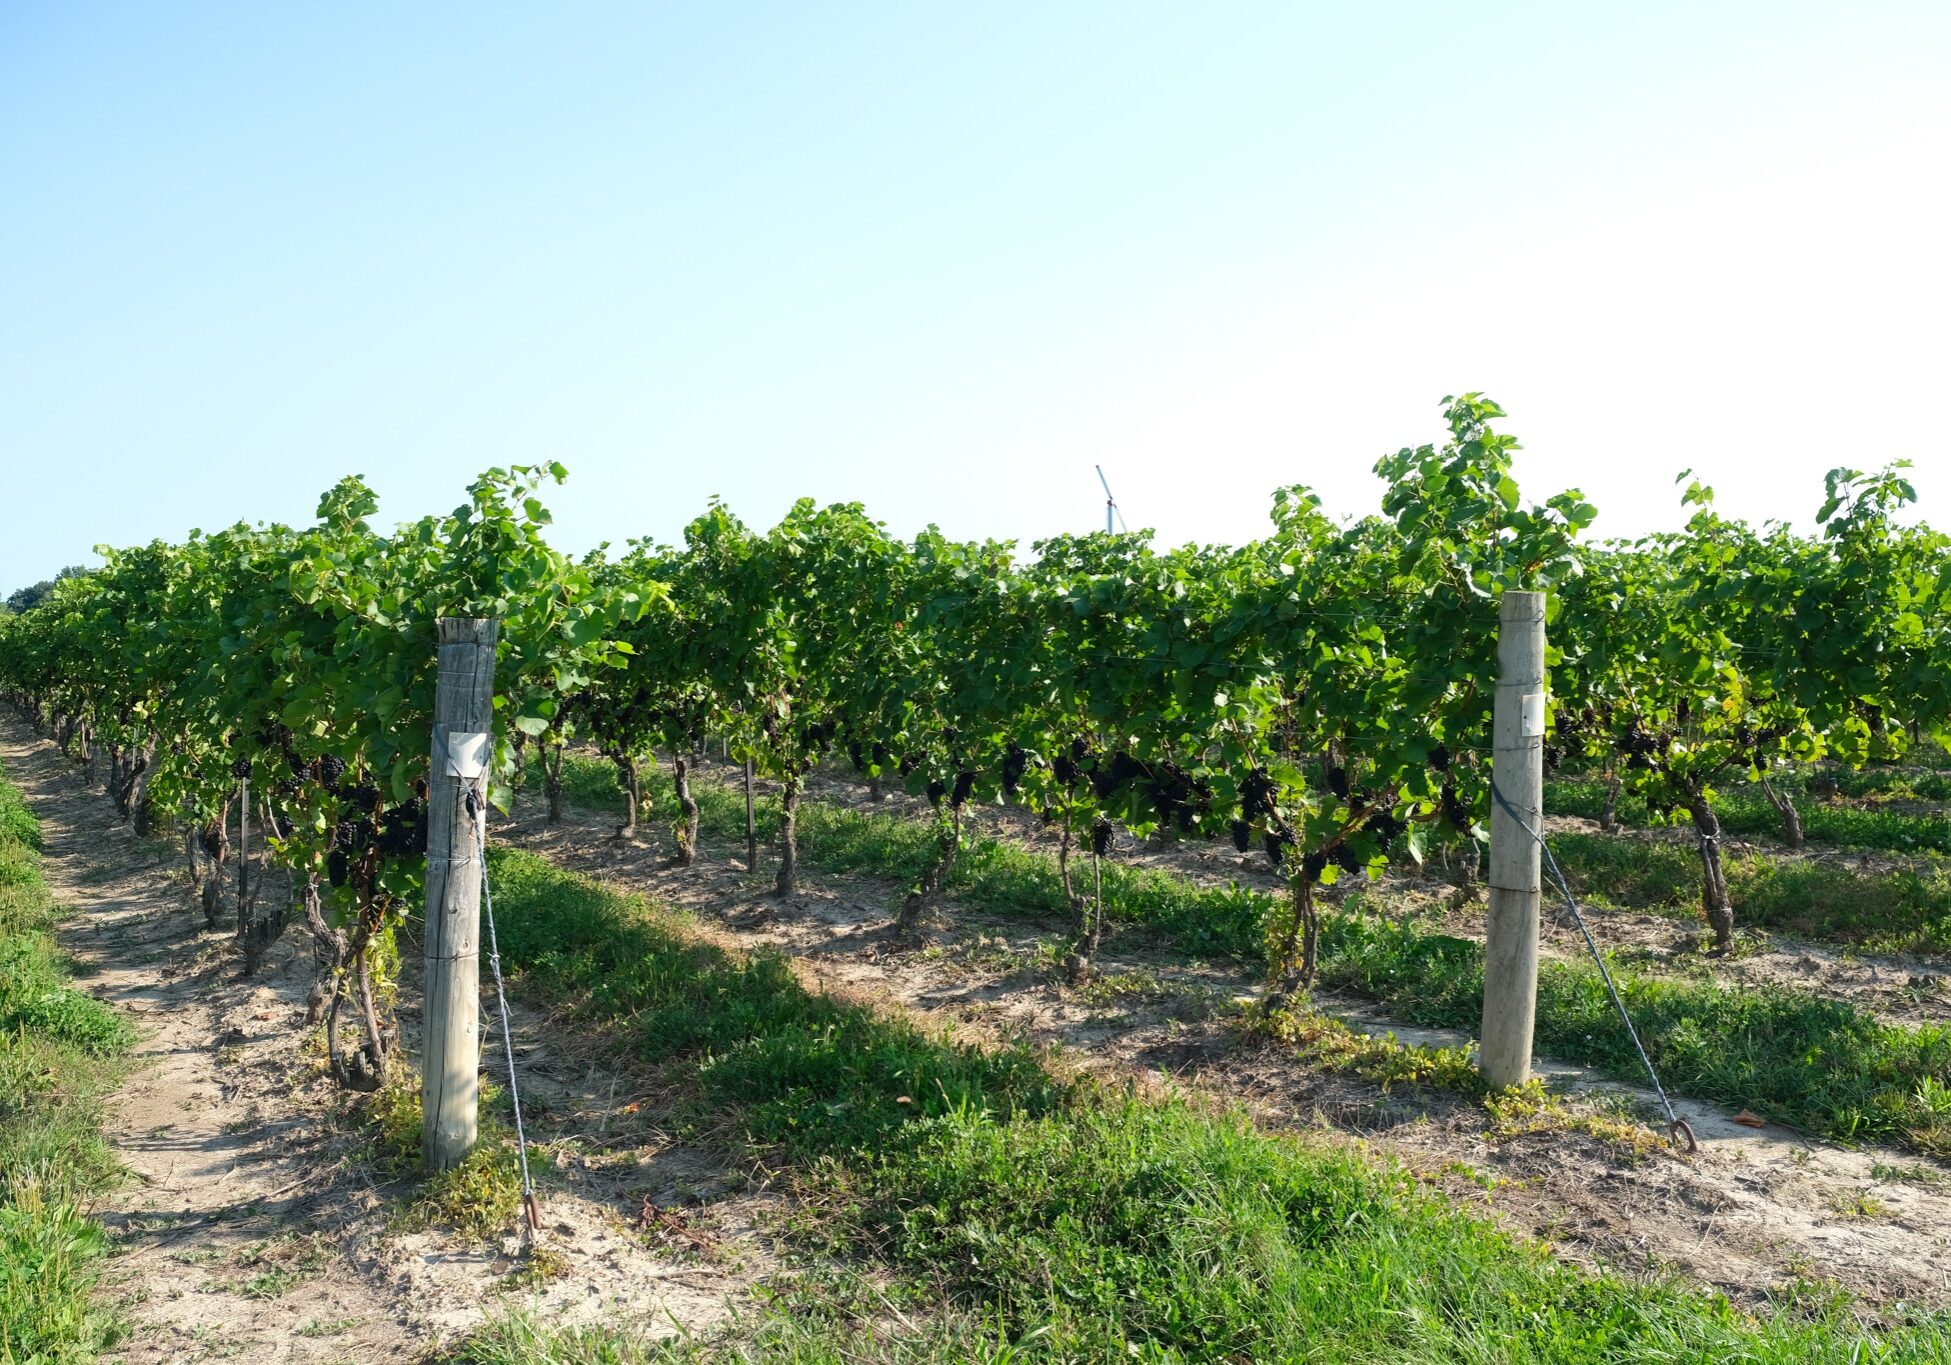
<point x="1713" y="892"/>
<point x="687" y="811"/>
<point x="1298" y="959"/>
<point x="215" y="843"/>
<point x="787" y="881"/>
<point x="927" y="892"/>
<point x="626" y="778"/>
<point x="1609" y="814"/>
<point x="365" y="1069"/>
<point x="1791" y="818"/>
<point x="552" y="781"/>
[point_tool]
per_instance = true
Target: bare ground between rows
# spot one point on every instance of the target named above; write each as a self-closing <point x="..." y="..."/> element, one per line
<point x="255" y="1226"/>
<point x="1753" y="1212"/>
<point x="1898" y="988"/>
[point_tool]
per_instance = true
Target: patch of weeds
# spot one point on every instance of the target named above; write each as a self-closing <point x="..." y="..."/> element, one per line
<point x="271" y="1284"/>
<point x="319" y="1327"/>
<point x="1330" y="1045"/>
<point x="1811" y="1297"/>
<point x="1855" y="1204"/>
<point x="1527" y="1109"/>
<point x="1483" y="1180"/>
<point x="480" y="1199"/>
<point x="540" y="1265"/>
<point x="1908" y="1175"/>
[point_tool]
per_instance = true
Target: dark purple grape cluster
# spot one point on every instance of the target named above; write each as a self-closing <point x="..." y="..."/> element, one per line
<point x="337" y="867"/>
<point x="1016" y="762"/>
<point x="1385" y="826"/>
<point x="1276" y="843"/>
<point x="964" y="784"/>
<point x="1256" y="796"/>
<point x="1338" y="781"/>
<point x="212" y="841"/>
<point x="330" y="770"/>
<point x="1101" y="837"/>
<point x="364" y="797"/>
<point x="297" y="764"/>
<point x="1242" y="835"/>
<point x="1454" y="810"/>
<point x="880" y="755"/>
<point x="937" y="789"/>
<point x="240" y="768"/>
<point x="402" y="830"/>
<point x="1439" y="758"/>
<point x="857" y="756"/>
<point x="1107" y="780"/>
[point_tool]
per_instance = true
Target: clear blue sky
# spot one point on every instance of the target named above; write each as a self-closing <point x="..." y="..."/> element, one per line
<point x="941" y="259"/>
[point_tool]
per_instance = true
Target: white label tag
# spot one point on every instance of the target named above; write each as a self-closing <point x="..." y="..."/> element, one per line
<point x="1531" y="720"/>
<point x="467" y="756"/>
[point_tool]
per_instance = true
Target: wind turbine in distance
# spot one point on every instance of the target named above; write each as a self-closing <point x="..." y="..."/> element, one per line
<point x="1110" y="503"/>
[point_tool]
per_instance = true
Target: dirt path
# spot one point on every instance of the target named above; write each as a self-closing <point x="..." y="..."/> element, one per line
<point x="1752" y="1213"/>
<point x="255" y="1226"/>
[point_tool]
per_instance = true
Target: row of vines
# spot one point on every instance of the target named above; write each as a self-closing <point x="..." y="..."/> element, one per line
<point x="1322" y="694"/>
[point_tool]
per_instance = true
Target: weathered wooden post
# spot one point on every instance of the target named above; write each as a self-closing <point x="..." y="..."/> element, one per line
<point x="1518" y="773"/>
<point x="462" y="753"/>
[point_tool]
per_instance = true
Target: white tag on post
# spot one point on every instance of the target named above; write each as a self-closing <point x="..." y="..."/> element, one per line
<point x="467" y="755"/>
<point x="1531" y="720"/>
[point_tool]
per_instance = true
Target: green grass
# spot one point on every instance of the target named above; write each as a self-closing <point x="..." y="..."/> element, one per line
<point x="1745" y="809"/>
<point x="1898" y="909"/>
<point x="57" y="1059"/>
<point x="1819" y="1065"/>
<point x="1078" y="1221"/>
<point x="813" y="1331"/>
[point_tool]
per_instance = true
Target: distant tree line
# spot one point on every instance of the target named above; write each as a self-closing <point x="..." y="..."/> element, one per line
<point x="26" y="599"/>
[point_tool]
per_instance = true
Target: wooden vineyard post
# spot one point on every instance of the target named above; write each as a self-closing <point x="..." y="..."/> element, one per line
<point x="751" y="824"/>
<point x="463" y="747"/>
<point x="1518" y="773"/>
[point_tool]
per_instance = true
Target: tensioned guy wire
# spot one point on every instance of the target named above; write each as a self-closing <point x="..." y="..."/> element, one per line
<point x="477" y="817"/>
<point x="1677" y="1127"/>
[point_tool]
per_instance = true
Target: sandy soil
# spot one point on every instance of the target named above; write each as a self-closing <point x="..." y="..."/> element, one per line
<point x="256" y="1227"/>
<point x="1752" y="1212"/>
